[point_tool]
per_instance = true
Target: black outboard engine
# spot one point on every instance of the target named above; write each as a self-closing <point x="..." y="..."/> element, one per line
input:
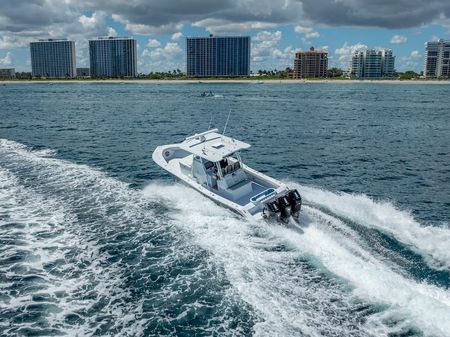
<point x="295" y="200"/>
<point x="285" y="208"/>
<point x="271" y="210"/>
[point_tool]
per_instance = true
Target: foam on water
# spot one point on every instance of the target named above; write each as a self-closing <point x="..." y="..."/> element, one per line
<point x="291" y="297"/>
<point x="431" y="242"/>
<point x="114" y="260"/>
<point x="115" y="267"/>
<point x="420" y="304"/>
<point x="277" y="285"/>
<point x="45" y="152"/>
<point x="75" y="273"/>
<point x="52" y="277"/>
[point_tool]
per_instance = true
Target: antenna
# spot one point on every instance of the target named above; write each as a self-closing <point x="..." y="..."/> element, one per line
<point x="225" y="127"/>
<point x="210" y="121"/>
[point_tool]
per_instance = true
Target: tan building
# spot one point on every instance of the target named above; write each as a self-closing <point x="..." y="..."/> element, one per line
<point x="312" y="63"/>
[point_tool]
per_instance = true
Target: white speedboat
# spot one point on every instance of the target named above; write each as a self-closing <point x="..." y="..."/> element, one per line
<point x="211" y="163"/>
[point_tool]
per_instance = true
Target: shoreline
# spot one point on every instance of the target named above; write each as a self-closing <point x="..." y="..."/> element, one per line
<point x="224" y="81"/>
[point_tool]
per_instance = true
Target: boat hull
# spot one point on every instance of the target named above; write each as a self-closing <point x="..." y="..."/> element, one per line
<point x="249" y="210"/>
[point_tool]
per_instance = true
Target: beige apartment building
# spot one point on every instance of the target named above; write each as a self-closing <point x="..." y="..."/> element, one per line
<point x="311" y="63"/>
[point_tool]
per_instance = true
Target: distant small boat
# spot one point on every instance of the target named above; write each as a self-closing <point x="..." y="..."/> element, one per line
<point x="211" y="163"/>
<point x="207" y="94"/>
<point x="210" y="94"/>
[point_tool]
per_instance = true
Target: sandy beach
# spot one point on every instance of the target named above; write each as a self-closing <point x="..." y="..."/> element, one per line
<point x="238" y="81"/>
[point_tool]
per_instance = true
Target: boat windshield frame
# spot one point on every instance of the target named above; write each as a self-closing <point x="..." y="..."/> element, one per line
<point x="235" y="155"/>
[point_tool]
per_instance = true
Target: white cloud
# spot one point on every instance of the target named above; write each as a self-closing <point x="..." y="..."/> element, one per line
<point x="9" y="41"/>
<point x="264" y="44"/>
<point x="220" y="26"/>
<point x="267" y="52"/>
<point x="444" y="21"/>
<point x="345" y="53"/>
<point x="90" y="22"/>
<point x="415" y="55"/>
<point x="82" y="58"/>
<point x="176" y="36"/>
<point x="398" y="39"/>
<point x="141" y="29"/>
<point x="413" y="61"/>
<point x="285" y="57"/>
<point x="165" y="58"/>
<point x="169" y="51"/>
<point x="434" y="38"/>
<point x="112" y="31"/>
<point x="268" y="38"/>
<point x="146" y="53"/>
<point x="7" y="60"/>
<point x="347" y="49"/>
<point x="308" y="32"/>
<point x="153" y="43"/>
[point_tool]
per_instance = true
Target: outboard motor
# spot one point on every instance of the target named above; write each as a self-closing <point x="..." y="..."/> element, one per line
<point x="295" y="200"/>
<point x="285" y="208"/>
<point x="271" y="210"/>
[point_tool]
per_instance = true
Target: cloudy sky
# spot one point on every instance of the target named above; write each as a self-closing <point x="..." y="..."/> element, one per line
<point x="278" y="27"/>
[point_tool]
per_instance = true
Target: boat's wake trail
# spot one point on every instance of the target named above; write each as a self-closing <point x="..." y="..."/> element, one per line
<point x="83" y="253"/>
<point x="431" y="242"/>
<point x="326" y="281"/>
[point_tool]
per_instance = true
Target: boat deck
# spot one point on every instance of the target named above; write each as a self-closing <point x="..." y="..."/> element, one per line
<point x="184" y="164"/>
<point x="256" y="189"/>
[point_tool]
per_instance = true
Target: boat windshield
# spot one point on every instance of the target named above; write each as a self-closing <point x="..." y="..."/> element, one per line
<point x="208" y="165"/>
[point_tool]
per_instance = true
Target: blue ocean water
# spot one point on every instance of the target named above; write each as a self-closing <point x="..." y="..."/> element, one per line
<point x="96" y="240"/>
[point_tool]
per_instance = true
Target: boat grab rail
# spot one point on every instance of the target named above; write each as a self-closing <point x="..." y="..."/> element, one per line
<point x="264" y="195"/>
<point x="198" y="135"/>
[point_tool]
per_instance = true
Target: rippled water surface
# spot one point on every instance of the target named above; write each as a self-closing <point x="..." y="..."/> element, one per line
<point x="96" y="240"/>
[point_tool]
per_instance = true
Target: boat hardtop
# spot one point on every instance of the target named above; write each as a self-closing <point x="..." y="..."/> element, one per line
<point x="211" y="163"/>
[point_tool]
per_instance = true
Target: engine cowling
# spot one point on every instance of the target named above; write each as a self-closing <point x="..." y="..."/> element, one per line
<point x="285" y="208"/>
<point x="271" y="210"/>
<point x="295" y="201"/>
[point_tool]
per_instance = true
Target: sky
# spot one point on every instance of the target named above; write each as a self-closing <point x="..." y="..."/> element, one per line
<point x="278" y="28"/>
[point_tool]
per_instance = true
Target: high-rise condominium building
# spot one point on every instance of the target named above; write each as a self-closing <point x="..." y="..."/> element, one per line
<point x="113" y="57"/>
<point x="54" y="58"/>
<point x="311" y="63"/>
<point x="437" y="59"/>
<point x="8" y="73"/>
<point x="373" y="63"/>
<point x="218" y="56"/>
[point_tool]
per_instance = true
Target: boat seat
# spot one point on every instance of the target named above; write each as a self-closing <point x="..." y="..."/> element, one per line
<point x="235" y="186"/>
<point x="233" y="167"/>
<point x="186" y="162"/>
<point x="235" y="178"/>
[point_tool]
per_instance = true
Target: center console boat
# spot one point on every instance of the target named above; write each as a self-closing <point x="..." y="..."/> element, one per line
<point x="210" y="162"/>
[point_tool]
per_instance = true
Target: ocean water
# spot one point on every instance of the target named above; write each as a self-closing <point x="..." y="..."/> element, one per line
<point x="96" y="240"/>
